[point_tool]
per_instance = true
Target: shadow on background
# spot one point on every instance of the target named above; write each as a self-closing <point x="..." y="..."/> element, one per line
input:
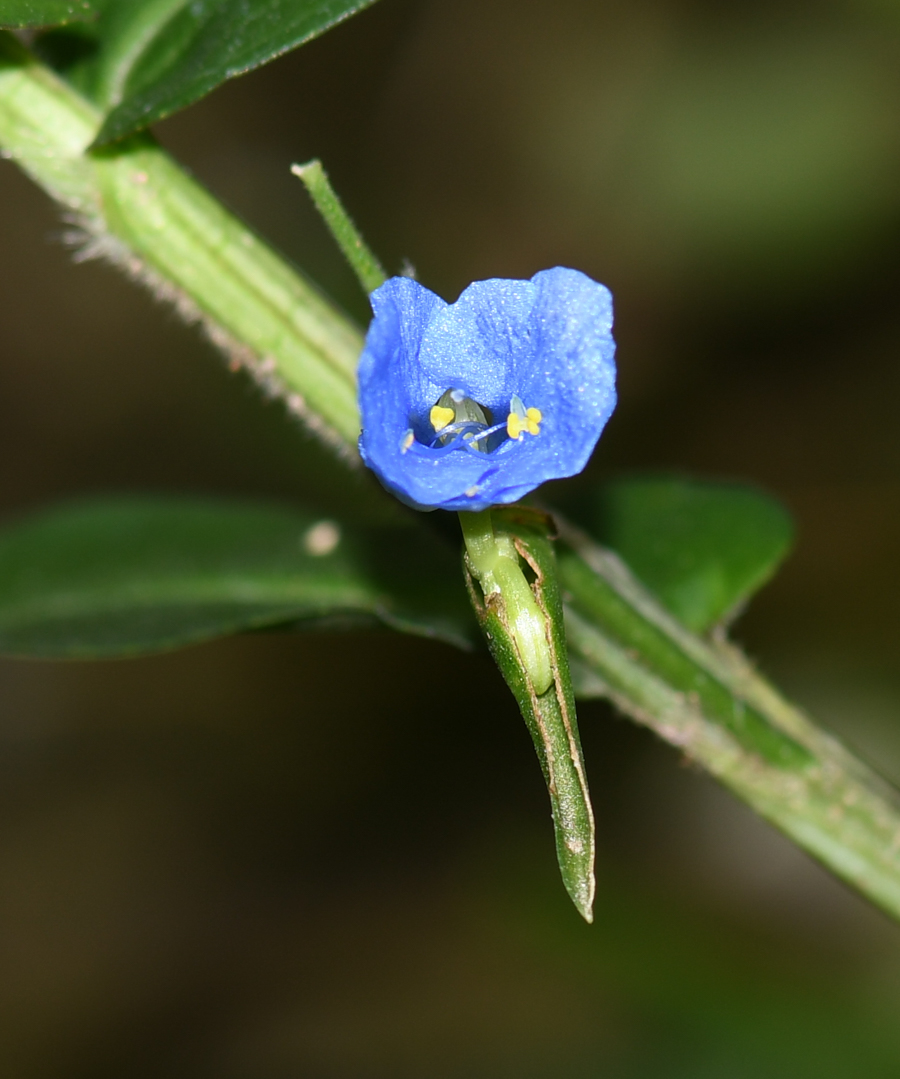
<point x="330" y="856"/>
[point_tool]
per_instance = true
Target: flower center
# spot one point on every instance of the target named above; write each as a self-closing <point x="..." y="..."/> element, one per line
<point x="457" y="416"/>
<point x="460" y="422"/>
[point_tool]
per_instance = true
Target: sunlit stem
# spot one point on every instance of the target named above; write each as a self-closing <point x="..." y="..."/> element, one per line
<point x="495" y="562"/>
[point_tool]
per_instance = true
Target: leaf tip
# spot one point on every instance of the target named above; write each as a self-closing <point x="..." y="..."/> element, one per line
<point x="581" y="892"/>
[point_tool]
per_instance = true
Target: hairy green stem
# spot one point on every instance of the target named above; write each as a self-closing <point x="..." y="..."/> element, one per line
<point x="137" y="207"/>
<point x="704" y="697"/>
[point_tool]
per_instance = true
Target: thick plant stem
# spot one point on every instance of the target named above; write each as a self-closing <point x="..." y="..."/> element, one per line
<point x="137" y="207"/>
<point x="699" y="694"/>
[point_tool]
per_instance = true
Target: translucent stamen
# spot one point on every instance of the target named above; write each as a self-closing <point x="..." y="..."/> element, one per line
<point x="490" y="431"/>
<point x="456" y="415"/>
<point x="454" y="432"/>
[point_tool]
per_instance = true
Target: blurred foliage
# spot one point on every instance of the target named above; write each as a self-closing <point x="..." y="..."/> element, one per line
<point x="24" y="13"/>
<point x="207" y="863"/>
<point x="123" y="577"/>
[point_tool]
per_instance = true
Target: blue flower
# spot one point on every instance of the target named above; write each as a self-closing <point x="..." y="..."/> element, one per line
<point x="475" y="403"/>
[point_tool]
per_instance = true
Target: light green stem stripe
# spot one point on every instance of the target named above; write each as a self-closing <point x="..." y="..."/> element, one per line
<point x="829" y="803"/>
<point x="141" y="210"/>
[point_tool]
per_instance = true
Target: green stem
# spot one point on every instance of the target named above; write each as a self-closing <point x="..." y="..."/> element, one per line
<point x="347" y="236"/>
<point x="698" y="695"/>
<point x="138" y="208"/>
<point x="495" y="563"/>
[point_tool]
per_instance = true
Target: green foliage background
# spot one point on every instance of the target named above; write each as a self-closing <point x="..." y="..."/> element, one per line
<point x="279" y="855"/>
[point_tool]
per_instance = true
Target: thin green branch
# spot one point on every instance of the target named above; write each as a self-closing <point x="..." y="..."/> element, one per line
<point x="347" y="236"/>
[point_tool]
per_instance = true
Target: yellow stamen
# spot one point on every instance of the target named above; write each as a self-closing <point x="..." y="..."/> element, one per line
<point x="517" y="424"/>
<point x="408" y="440"/>
<point x="440" y="417"/>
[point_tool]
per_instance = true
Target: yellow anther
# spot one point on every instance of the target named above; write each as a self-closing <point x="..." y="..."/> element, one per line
<point x="441" y="416"/>
<point x="518" y="424"/>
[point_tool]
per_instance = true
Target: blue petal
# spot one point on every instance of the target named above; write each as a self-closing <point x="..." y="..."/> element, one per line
<point x="547" y="340"/>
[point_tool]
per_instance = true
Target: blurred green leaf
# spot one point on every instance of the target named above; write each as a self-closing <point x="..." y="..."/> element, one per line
<point x="122" y="577"/>
<point x="702" y="547"/>
<point x="20" y="13"/>
<point x="150" y="58"/>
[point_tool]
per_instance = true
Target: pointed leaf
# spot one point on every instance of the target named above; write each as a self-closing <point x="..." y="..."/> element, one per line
<point x="17" y="14"/>
<point x="158" y="56"/>
<point x="703" y="547"/>
<point x="121" y="577"/>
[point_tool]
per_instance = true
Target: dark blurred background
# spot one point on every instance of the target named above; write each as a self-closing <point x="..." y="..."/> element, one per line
<point x="331" y="856"/>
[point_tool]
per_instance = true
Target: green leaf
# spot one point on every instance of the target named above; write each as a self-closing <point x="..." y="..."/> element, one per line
<point x="16" y="14"/>
<point x="703" y="547"/>
<point x="155" y="57"/>
<point x="122" y="577"/>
